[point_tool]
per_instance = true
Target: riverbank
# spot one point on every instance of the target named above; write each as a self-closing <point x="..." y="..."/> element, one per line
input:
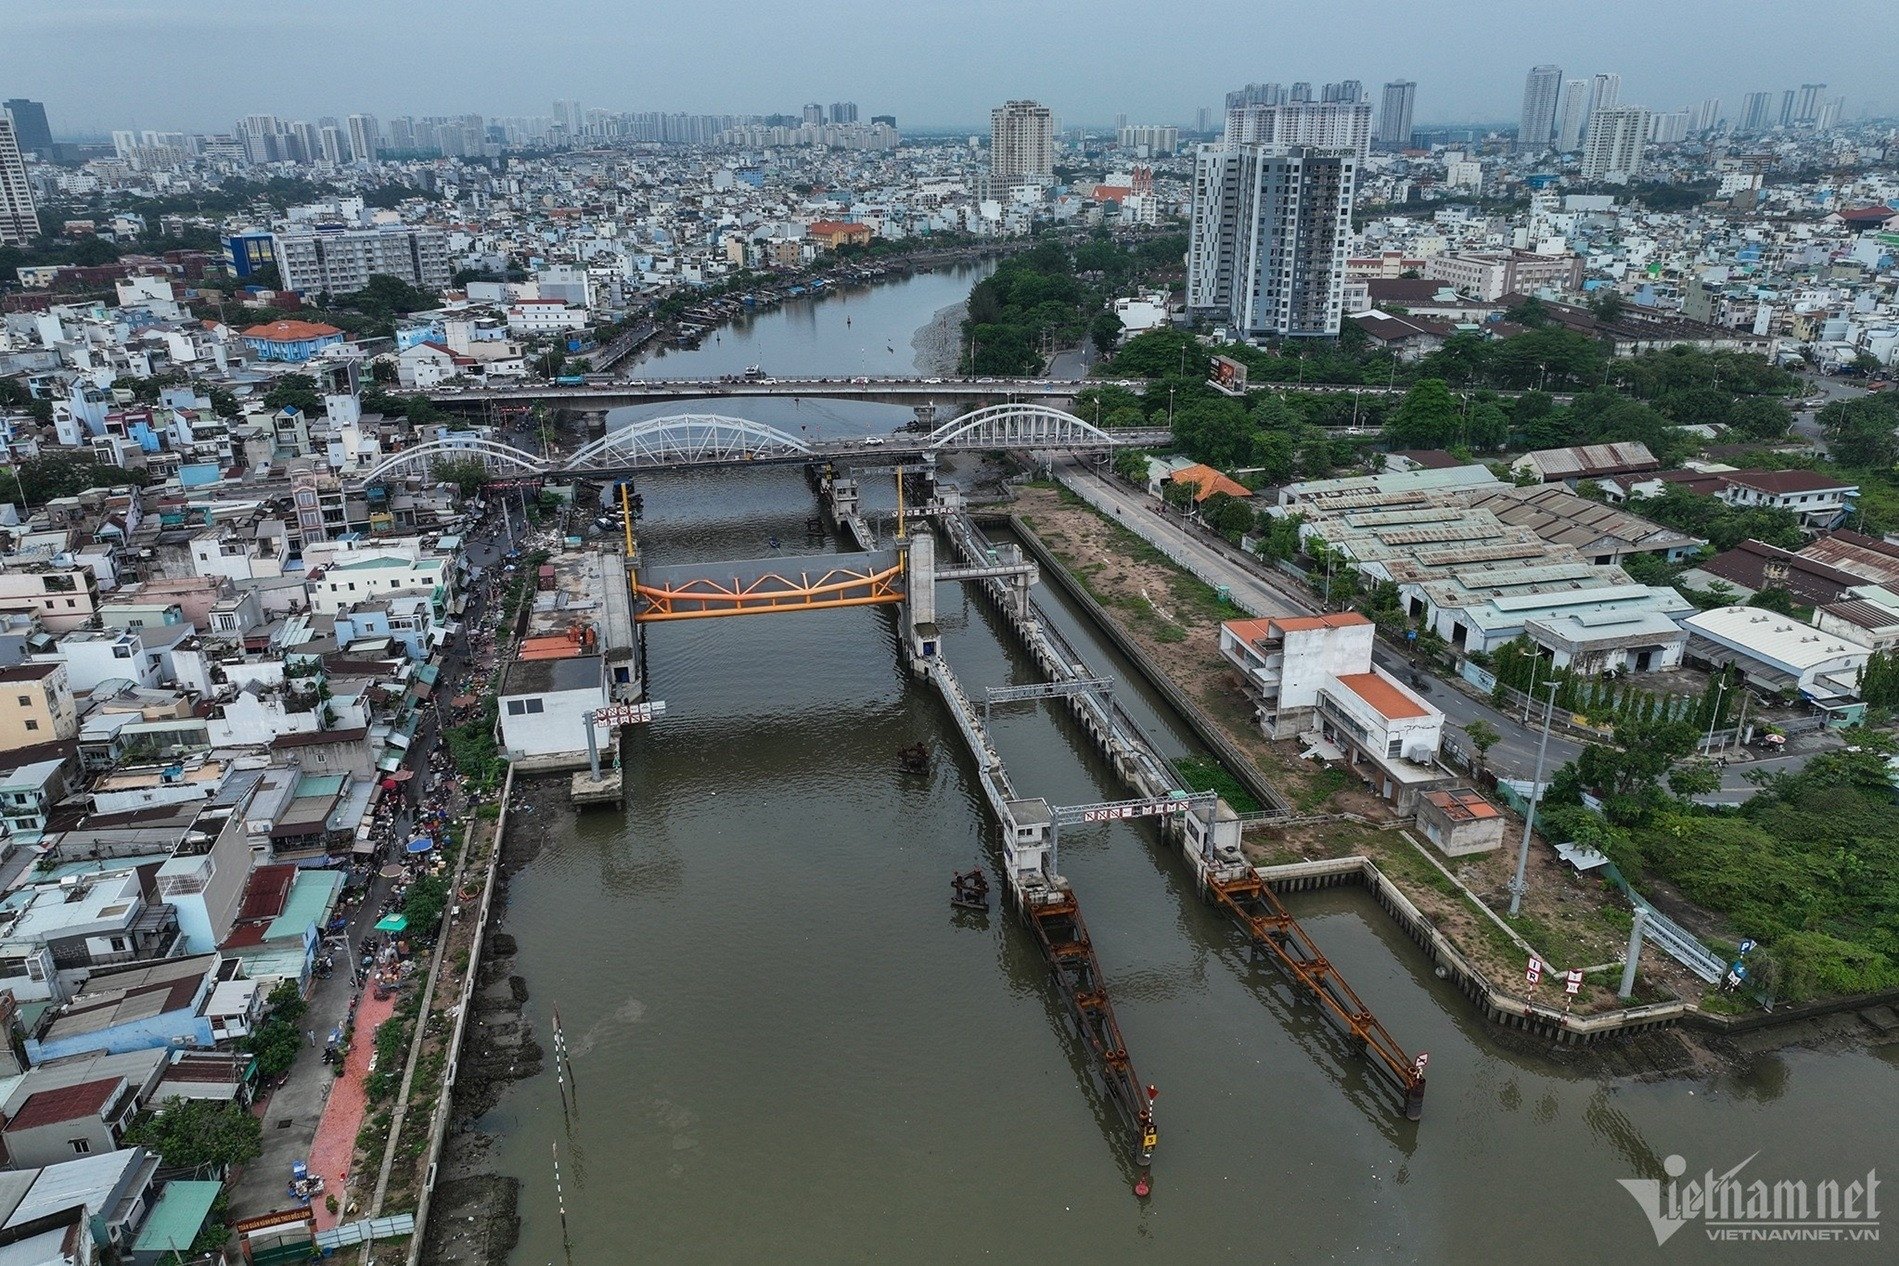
<point x="1172" y="621"/>
<point x="474" y="1216"/>
<point x="939" y="343"/>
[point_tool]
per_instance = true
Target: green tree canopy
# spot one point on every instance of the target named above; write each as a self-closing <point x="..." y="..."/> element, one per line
<point x="190" y="1133"/>
<point x="1428" y="418"/>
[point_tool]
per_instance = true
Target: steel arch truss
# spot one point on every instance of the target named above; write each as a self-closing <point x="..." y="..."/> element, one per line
<point x="686" y="439"/>
<point x="769" y="586"/>
<point x="1019" y="426"/>
<point x="421" y="459"/>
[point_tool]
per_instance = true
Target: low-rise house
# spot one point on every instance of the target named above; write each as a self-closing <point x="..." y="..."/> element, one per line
<point x="160" y="1005"/>
<point x="36" y="705"/>
<point x="50" y="1126"/>
<point x="1818" y="501"/>
<point x="57" y="934"/>
<point x="1867" y="614"/>
<point x="1460" y="822"/>
<point x="86" y="1206"/>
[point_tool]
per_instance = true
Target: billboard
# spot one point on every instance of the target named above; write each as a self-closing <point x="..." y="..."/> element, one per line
<point x="1227" y="374"/>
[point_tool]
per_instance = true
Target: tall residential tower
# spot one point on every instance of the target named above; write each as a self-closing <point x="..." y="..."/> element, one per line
<point x="1022" y="142"/>
<point x="1394" y="114"/>
<point x="19" y="222"/>
<point x="1271" y="224"/>
<point x="1541" y="91"/>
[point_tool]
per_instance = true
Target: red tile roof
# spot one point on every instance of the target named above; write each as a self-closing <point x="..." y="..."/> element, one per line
<point x="1384" y="698"/>
<point x="291" y="331"/>
<point x="68" y="1103"/>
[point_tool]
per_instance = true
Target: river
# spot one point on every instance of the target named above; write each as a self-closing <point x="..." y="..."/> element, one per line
<point x="789" y="1049"/>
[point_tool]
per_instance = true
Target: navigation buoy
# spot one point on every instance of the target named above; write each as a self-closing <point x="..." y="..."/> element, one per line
<point x="1140" y="1186"/>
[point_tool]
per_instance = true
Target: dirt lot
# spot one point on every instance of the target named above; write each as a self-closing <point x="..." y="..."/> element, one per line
<point x="1570" y="919"/>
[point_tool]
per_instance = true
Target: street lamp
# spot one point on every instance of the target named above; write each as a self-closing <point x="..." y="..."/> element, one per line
<point x="1720" y="689"/>
<point x="1520" y="884"/>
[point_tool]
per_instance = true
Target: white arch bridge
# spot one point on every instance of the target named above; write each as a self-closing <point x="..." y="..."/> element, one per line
<point x="710" y="439"/>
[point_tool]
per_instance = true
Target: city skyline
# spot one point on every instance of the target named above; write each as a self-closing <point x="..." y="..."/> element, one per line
<point x="1469" y="68"/>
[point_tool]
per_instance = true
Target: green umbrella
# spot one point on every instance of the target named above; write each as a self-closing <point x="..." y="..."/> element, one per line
<point x="392" y="923"/>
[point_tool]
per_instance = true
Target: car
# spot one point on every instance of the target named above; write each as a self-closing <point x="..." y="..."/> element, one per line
<point x="873" y="441"/>
<point x="860" y="382"/>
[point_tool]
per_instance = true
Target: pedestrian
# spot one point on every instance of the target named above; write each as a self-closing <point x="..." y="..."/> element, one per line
<point x="312" y="1033"/>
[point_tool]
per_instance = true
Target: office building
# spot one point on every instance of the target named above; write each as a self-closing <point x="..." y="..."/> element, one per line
<point x="1807" y="104"/>
<point x="1266" y="254"/>
<point x="365" y="138"/>
<point x="1022" y="142"/>
<point x="1617" y="136"/>
<point x="1569" y="130"/>
<point x="19" y="222"/>
<point x="30" y="130"/>
<point x="1394" y="114"/>
<point x="341" y="261"/>
<point x="1542" y="90"/>
<point x="1337" y="125"/>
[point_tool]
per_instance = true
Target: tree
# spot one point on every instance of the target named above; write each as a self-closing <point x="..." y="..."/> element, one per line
<point x="1105" y="331"/>
<point x="1427" y="418"/>
<point x="1131" y="465"/>
<point x="1606" y="304"/>
<point x="1860" y="432"/>
<point x="1697" y="778"/>
<point x="190" y="1133"/>
<point x="1483" y="736"/>
<point x="57" y="474"/>
<point x="223" y="403"/>
<point x="468" y="474"/>
<point x="549" y="363"/>
<point x="295" y="391"/>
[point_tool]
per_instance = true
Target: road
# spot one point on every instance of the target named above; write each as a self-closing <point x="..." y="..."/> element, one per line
<point x="1806" y="422"/>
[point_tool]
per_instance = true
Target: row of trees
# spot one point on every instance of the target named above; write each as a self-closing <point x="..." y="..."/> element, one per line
<point x="1052" y="295"/>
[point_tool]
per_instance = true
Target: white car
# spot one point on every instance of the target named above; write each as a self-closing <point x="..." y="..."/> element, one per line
<point x="873" y="441"/>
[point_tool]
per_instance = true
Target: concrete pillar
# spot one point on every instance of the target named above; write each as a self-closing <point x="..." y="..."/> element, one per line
<point x="920" y="597"/>
<point x="1635" y="952"/>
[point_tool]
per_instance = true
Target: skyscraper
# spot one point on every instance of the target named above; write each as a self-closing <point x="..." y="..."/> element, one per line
<point x="1617" y="136"/>
<point x="1021" y="142"/>
<point x="1301" y="92"/>
<point x="30" y="131"/>
<point x="1333" y="125"/>
<point x="1786" y="115"/>
<point x="1569" y="129"/>
<point x="1757" y="112"/>
<point x="1348" y="91"/>
<point x="1707" y="114"/>
<point x="365" y="138"/>
<point x="1266" y="254"/>
<point x="1541" y="90"/>
<point x="1394" y="114"/>
<point x="1604" y="91"/>
<point x="1807" y="105"/>
<point x="814" y="114"/>
<point x="843" y="112"/>
<point x="19" y="222"/>
<point x="1255" y="94"/>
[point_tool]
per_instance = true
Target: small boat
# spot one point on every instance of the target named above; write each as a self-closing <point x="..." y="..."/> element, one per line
<point x="914" y="759"/>
<point x="969" y="890"/>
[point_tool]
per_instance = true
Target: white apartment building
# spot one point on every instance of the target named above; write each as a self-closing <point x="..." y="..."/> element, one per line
<point x="544" y="316"/>
<point x="1541" y="90"/>
<point x="1617" y="137"/>
<point x="1150" y="139"/>
<point x="1324" y="124"/>
<point x="1022" y="142"/>
<point x="356" y="579"/>
<point x="1270" y="228"/>
<point x="341" y="261"/>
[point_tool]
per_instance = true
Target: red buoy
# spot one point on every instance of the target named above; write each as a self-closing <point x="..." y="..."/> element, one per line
<point x="1140" y="1187"/>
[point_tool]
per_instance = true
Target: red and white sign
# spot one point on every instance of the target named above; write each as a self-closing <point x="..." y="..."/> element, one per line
<point x="1417" y="1069"/>
<point x="1534" y="972"/>
<point x="1150" y="809"/>
<point x="1572" y="981"/>
<point x="630" y="713"/>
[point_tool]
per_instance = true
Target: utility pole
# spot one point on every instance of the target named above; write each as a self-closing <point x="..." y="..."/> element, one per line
<point x="1520" y="884"/>
<point x="1721" y="689"/>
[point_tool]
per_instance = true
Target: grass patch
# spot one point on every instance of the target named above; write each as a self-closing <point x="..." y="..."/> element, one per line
<point x="1324" y="785"/>
<point x="1203" y="773"/>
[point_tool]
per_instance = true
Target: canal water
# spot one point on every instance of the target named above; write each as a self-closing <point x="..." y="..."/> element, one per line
<point x="789" y="1049"/>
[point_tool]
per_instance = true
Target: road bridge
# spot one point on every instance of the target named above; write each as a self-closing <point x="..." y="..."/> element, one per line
<point x="710" y="439"/>
<point x="599" y="392"/>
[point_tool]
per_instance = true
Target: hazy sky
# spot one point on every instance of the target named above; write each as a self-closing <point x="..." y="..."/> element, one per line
<point x="199" y="64"/>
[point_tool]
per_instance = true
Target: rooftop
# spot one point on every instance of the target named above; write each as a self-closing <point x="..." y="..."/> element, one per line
<point x="291" y="331"/>
<point x="1384" y="697"/>
<point x="68" y="1103"/>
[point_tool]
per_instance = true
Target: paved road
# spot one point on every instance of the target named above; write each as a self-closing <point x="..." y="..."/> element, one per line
<point x="1254" y="592"/>
<point x="1806" y="424"/>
